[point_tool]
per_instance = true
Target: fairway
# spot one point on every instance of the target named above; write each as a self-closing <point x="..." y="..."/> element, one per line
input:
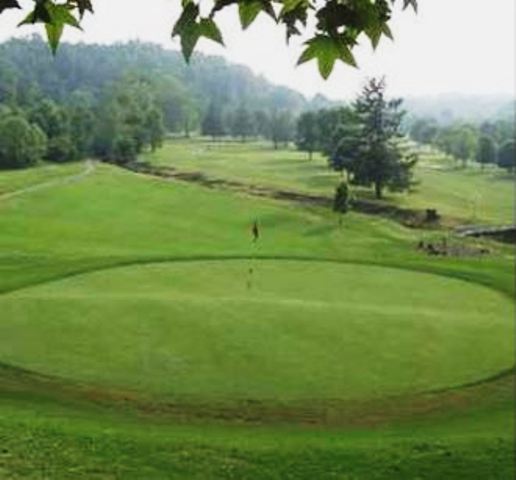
<point x="289" y="331"/>
<point x="466" y="195"/>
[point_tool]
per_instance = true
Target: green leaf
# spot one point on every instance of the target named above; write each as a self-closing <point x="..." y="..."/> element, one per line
<point x="327" y="50"/>
<point x="289" y="5"/>
<point x="60" y="14"/>
<point x="55" y="17"/>
<point x="40" y="14"/>
<point x="248" y="10"/>
<point x="346" y="55"/>
<point x="187" y="19"/>
<point x="54" y="33"/>
<point x="189" y="38"/>
<point x="209" y="29"/>
<point x="375" y="34"/>
<point x="387" y="31"/>
<point x="81" y="5"/>
<point x="413" y="3"/>
<point x="6" y="4"/>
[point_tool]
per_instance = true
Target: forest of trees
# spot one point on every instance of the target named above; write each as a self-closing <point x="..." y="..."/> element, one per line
<point x="112" y="102"/>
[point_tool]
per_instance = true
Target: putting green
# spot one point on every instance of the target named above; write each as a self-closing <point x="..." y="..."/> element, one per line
<point x="290" y="331"/>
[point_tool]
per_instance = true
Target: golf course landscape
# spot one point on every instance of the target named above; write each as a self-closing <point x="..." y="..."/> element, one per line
<point x="145" y="335"/>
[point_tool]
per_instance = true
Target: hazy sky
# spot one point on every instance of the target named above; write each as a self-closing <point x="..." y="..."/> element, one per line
<point x="465" y="46"/>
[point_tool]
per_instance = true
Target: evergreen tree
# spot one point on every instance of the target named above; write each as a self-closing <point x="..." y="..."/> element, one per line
<point x="379" y="160"/>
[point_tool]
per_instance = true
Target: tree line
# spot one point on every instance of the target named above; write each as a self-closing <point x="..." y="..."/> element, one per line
<point x="275" y="125"/>
<point x="116" y="127"/>
<point x="112" y="102"/>
<point x="364" y="140"/>
<point x="488" y="143"/>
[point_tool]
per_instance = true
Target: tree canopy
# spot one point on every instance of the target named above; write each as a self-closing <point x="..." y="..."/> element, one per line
<point x="333" y="27"/>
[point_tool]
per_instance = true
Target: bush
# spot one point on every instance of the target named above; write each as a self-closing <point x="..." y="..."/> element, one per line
<point x="61" y="149"/>
<point x="342" y="199"/>
<point x="124" y="150"/>
<point x="21" y="144"/>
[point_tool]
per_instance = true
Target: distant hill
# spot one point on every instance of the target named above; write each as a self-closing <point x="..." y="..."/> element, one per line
<point x="28" y="63"/>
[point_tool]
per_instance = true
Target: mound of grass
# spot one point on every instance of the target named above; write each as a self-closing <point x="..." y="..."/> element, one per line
<point x="288" y="331"/>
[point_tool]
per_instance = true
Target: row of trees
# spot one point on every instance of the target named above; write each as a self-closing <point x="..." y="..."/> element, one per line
<point x="364" y="140"/>
<point x="185" y="92"/>
<point x="118" y="125"/>
<point x="486" y="143"/>
<point x="89" y="100"/>
<point x="277" y="126"/>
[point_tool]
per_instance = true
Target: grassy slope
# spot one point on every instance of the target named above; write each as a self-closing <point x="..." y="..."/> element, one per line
<point x="62" y="442"/>
<point x="471" y="195"/>
<point x="16" y="180"/>
<point x="48" y="234"/>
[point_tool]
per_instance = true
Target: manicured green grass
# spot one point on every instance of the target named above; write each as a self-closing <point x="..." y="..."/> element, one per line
<point x="470" y="195"/>
<point x="176" y="322"/>
<point x="286" y="332"/>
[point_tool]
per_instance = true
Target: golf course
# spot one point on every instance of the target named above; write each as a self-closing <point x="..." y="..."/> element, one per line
<point x="145" y="334"/>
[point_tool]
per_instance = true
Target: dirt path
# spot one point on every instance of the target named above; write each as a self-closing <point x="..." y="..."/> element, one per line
<point x="88" y="170"/>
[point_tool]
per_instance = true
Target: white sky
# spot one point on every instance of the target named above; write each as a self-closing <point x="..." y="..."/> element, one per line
<point x="451" y="46"/>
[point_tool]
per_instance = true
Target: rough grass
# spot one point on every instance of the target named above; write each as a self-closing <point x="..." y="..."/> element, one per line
<point x="20" y="179"/>
<point x="65" y="443"/>
<point x="468" y="195"/>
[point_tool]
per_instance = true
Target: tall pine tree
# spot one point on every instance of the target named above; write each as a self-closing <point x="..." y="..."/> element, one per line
<point x="379" y="159"/>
